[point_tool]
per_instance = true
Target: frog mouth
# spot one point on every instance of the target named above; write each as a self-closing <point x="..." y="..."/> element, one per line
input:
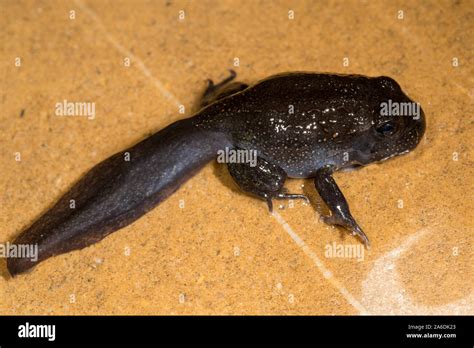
<point x="363" y="158"/>
<point x="351" y="167"/>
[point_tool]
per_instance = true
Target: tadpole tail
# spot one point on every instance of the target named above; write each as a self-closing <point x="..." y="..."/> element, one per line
<point x="118" y="191"/>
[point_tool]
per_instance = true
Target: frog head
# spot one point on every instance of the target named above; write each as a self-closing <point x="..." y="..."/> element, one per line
<point x="397" y="124"/>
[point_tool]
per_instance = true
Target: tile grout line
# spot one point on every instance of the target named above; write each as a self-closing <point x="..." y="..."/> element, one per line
<point x="328" y="275"/>
<point x="141" y="66"/>
<point x="168" y="95"/>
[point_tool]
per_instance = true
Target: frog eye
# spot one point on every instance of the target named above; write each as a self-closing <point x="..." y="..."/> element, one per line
<point x="386" y="129"/>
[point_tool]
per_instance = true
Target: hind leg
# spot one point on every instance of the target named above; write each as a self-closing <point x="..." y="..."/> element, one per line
<point x="265" y="181"/>
<point x="221" y="90"/>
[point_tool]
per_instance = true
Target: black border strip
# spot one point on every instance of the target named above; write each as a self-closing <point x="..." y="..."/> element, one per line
<point x="350" y="330"/>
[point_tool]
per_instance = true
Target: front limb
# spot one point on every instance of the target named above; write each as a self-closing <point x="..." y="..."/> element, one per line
<point x="334" y="199"/>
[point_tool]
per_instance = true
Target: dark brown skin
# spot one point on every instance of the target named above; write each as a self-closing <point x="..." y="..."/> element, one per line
<point x="302" y="125"/>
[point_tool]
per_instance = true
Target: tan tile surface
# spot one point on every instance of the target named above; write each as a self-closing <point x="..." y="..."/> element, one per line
<point x="223" y="253"/>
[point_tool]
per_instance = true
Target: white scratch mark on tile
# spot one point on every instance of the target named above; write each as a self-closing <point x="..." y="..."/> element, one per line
<point x="135" y="60"/>
<point x="383" y="291"/>
<point x="320" y="265"/>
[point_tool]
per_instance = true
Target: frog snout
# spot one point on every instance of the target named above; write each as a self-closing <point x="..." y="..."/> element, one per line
<point x="414" y="131"/>
<point x="420" y="125"/>
<point x="364" y="150"/>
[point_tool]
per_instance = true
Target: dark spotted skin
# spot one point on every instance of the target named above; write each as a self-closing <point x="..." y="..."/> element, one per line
<point x="332" y="114"/>
<point x="308" y="125"/>
<point x="301" y="125"/>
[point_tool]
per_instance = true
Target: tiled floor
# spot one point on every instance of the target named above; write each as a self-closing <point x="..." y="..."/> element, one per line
<point x="222" y="253"/>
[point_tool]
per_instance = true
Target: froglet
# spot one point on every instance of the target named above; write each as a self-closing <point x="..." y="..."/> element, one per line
<point x="299" y="125"/>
